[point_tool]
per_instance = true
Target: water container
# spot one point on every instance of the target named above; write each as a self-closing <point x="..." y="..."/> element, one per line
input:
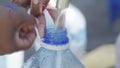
<point x="55" y="51"/>
<point x="3" y="62"/>
<point x="77" y="32"/>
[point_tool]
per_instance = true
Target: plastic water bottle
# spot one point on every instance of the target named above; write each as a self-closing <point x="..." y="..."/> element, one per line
<point x="54" y="51"/>
<point x="6" y="61"/>
<point x="76" y="30"/>
<point x="3" y="62"/>
<point x="77" y="34"/>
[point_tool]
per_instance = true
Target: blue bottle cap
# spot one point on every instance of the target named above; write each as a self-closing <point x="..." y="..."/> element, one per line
<point x="56" y="37"/>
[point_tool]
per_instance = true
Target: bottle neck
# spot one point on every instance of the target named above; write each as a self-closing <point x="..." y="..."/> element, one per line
<point x="54" y="47"/>
<point x="55" y="39"/>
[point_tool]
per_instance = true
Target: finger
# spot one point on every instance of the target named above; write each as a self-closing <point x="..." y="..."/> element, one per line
<point x="41" y="25"/>
<point x="38" y="6"/>
<point x="35" y="8"/>
<point x="17" y="30"/>
<point x="25" y="34"/>
<point x="23" y="26"/>
<point x="44" y="3"/>
<point x="23" y="3"/>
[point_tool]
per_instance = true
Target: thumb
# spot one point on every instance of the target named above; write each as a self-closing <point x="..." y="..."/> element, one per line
<point x="25" y="34"/>
<point x="38" y="6"/>
<point x="23" y="3"/>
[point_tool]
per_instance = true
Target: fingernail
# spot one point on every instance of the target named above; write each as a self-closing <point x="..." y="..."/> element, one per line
<point x="43" y="8"/>
<point x="35" y="1"/>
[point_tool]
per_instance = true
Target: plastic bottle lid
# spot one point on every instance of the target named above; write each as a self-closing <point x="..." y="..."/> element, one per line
<point x="56" y="36"/>
<point x="55" y="39"/>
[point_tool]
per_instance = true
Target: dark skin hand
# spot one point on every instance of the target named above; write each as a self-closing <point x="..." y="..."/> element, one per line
<point x="17" y="27"/>
<point x="37" y="8"/>
<point x="16" y="30"/>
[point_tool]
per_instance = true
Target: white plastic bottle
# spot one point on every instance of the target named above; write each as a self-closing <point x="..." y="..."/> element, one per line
<point x="6" y="61"/>
<point x="55" y="51"/>
<point x="76" y="26"/>
<point x="77" y="31"/>
<point x="3" y="62"/>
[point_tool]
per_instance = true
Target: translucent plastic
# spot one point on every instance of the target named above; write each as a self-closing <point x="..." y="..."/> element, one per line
<point x="3" y="62"/>
<point x="76" y="27"/>
<point x="54" y="51"/>
<point x="77" y="31"/>
<point x="45" y="58"/>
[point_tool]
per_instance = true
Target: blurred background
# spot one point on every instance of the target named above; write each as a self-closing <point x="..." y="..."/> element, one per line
<point x="102" y="34"/>
<point x="100" y="30"/>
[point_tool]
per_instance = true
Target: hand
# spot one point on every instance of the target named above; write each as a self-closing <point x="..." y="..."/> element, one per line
<point x="37" y="6"/>
<point x="16" y="30"/>
<point x="17" y="27"/>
